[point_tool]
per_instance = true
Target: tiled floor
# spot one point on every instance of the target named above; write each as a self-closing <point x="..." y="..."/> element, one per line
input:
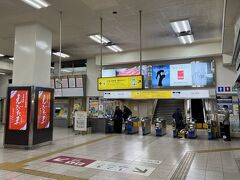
<point x="126" y="150"/>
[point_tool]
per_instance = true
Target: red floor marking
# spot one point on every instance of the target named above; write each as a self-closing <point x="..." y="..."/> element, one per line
<point x="73" y="161"/>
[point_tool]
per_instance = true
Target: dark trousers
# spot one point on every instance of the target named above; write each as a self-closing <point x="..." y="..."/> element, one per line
<point x="118" y="126"/>
<point x="227" y="132"/>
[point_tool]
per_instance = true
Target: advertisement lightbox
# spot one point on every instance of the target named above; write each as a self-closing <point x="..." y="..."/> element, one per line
<point x="181" y="75"/>
<point x="18" y="110"/>
<point x="43" y="109"/>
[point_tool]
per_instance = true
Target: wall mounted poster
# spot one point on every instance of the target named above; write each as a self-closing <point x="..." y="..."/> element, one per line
<point x="161" y="76"/>
<point x="72" y="82"/>
<point x="44" y="105"/>
<point x="18" y="111"/>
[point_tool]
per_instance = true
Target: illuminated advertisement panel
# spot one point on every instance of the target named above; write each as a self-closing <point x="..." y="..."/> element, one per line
<point x="18" y="110"/>
<point x="161" y="76"/>
<point x="181" y="75"/>
<point x="44" y="105"/>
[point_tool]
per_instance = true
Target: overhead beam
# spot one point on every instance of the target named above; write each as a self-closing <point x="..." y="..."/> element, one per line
<point x="167" y="53"/>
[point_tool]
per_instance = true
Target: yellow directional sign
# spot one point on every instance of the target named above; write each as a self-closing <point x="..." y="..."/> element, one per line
<point x="120" y="83"/>
<point x="151" y="94"/>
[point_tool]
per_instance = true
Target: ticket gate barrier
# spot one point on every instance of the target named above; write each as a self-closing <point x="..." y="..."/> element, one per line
<point x="132" y="125"/>
<point x="175" y="130"/>
<point x="212" y="130"/>
<point x="192" y="131"/>
<point x="109" y="125"/>
<point x="146" y="125"/>
<point x="160" y="127"/>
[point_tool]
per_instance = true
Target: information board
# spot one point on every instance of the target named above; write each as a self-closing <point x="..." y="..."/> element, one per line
<point x="80" y="121"/>
<point x="120" y="83"/>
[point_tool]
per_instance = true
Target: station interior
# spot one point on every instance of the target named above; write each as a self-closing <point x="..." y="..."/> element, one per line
<point x="119" y="89"/>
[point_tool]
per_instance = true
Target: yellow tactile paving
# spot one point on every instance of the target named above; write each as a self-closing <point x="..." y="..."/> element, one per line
<point x="20" y="166"/>
<point x="217" y="150"/>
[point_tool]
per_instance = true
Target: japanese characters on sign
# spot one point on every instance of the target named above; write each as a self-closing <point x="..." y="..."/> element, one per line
<point x="44" y="105"/>
<point x="18" y="112"/>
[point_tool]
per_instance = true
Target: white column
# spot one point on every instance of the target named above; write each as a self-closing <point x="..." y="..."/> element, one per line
<point x="32" y="56"/>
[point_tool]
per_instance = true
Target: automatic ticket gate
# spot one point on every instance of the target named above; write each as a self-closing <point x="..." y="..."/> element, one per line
<point x="132" y="125"/>
<point x="109" y="125"/>
<point x="160" y="127"/>
<point x="146" y="125"/>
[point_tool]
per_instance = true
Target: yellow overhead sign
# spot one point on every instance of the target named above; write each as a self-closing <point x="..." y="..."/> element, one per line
<point x="151" y="94"/>
<point x="120" y="83"/>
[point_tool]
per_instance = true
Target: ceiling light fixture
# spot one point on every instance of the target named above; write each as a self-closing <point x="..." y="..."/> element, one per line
<point x="38" y="4"/>
<point x="181" y="26"/>
<point x="63" y="55"/>
<point x="106" y="42"/>
<point x="186" y="39"/>
<point x="115" y="48"/>
<point x="11" y="58"/>
<point x="2" y="73"/>
<point x="97" y="38"/>
<point x="1" y="55"/>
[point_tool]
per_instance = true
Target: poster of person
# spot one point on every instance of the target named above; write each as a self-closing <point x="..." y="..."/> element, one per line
<point x="160" y="76"/>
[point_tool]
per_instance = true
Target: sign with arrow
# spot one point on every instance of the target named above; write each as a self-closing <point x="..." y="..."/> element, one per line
<point x="120" y="167"/>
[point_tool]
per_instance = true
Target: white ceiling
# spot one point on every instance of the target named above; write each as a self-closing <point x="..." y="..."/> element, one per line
<point x="81" y="18"/>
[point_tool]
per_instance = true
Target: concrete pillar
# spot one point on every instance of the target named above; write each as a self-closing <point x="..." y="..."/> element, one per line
<point x="32" y="56"/>
<point x="56" y="69"/>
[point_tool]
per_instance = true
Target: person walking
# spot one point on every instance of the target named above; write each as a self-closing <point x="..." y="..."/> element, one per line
<point x="126" y="113"/>
<point x="226" y="123"/>
<point x="177" y="116"/>
<point x="118" y="116"/>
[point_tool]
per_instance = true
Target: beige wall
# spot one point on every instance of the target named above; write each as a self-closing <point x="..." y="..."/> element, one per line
<point x="4" y="85"/>
<point x="225" y="75"/>
<point x="135" y="108"/>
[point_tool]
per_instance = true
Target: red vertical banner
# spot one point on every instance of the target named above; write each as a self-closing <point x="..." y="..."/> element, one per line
<point x="18" y="111"/>
<point x="44" y="105"/>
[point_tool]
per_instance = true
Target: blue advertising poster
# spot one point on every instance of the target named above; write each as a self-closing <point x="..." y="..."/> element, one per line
<point x="161" y="76"/>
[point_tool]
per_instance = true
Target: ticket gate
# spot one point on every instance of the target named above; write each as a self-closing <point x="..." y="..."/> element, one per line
<point x="212" y="130"/>
<point x="146" y="125"/>
<point x="192" y="131"/>
<point x="132" y="125"/>
<point x="175" y="130"/>
<point x="109" y="125"/>
<point x="160" y="127"/>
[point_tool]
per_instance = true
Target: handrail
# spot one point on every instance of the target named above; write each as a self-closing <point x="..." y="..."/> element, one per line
<point x="154" y="108"/>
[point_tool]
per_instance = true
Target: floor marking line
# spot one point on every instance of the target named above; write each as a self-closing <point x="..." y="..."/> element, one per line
<point x="182" y="169"/>
<point x="217" y="150"/>
<point x="64" y="149"/>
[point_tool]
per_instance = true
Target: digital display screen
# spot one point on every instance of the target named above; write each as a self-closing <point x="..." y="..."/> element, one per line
<point x="108" y="73"/>
<point x="161" y="76"/>
<point x="18" y="111"/>
<point x="197" y="74"/>
<point x="44" y="105"/>
<point x="134" y="71"/>
<point x="181" y="75"/>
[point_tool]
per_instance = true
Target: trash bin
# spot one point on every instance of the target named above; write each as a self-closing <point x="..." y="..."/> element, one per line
<point x="160" y="127"/>
<point x="146" y="125"/>
<point x="132" y="125"/>
<point x="192" y="131"/>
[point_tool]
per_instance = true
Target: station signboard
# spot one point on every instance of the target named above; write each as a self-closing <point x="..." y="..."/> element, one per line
<point x="120" y="83"/>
